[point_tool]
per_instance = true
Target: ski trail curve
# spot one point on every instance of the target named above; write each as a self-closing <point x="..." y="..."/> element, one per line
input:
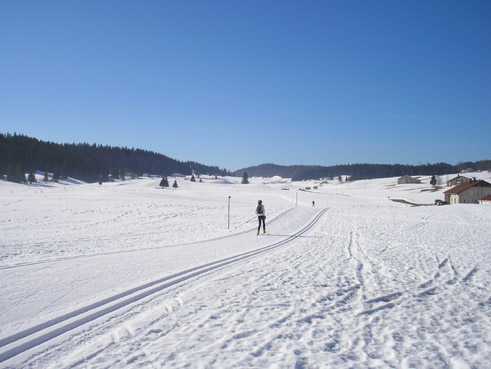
<point x="29" y="338"/>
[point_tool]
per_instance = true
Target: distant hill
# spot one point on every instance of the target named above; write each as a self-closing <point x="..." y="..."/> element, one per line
<point x="271" y="170"/>
<point x="20" y="154"/>
<point x="358" y="171"/>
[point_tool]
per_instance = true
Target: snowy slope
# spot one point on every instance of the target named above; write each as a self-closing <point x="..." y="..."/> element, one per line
<point x="130" y="275"/>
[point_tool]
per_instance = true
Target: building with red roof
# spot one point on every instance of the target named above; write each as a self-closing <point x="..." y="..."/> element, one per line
<point x="471" y="192"/>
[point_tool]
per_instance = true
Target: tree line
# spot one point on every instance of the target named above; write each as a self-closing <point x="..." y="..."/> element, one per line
<point x="21" y="154"/>
<point x="360" y="171"/>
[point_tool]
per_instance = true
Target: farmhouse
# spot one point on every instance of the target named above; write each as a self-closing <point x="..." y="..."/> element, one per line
<point x="468" y="193"/>
<point x="457" y="180"/>
<point x="407" y="180"/>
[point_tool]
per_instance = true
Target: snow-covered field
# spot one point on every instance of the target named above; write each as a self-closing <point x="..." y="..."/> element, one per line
<point x="128" y="275"/>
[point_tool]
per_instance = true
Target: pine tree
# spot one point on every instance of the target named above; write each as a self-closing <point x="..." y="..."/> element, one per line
<point x="192" y="178"/>
<point x="164" y="182"/>
<point x="245" y="178"/>
<point x="46" y="178"/>
<point x="433" y="180"/>
<point x="175" y="184"/>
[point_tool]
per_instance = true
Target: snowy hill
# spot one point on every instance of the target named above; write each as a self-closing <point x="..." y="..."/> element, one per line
<point x="127" y="274"/>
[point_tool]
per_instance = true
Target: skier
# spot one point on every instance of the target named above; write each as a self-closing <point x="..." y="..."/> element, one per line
<point x="261" y="216"/>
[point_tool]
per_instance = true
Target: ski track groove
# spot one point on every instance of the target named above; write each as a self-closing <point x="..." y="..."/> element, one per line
<point x="32" y="337"/>
<point x="76" y="257"/>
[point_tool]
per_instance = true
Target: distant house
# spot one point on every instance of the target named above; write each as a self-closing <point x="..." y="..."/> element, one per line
<point x="407" y="180"/>
<point x="486" y="200"/>
<point x="177" y="175"/>
<point x="457" y="180"/>
<point x="468" y="193"/>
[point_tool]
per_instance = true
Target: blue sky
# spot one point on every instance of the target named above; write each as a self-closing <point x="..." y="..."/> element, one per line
<point x="241" y="83"/>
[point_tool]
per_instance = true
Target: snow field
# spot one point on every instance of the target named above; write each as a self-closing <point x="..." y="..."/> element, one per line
<point x="369" y="283"/>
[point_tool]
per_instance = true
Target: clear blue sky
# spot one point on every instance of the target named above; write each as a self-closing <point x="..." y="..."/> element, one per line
<point x="240" y="83"/>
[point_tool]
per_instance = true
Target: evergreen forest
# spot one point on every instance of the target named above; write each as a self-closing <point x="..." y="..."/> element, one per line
<point x="21" y="154"/>
<point x="360" y="171"/>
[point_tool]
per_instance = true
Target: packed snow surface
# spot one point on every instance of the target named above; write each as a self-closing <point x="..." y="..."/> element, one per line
<point x="129" y="275"/>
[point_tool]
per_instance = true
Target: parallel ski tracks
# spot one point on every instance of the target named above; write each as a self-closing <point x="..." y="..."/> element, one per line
<point x="76" y="257"/>
<point x="27" y="339"/>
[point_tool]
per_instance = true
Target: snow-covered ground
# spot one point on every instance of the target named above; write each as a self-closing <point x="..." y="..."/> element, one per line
<point x="128" y="275"/>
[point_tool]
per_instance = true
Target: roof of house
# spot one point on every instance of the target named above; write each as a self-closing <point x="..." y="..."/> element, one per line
<point x="465" y="186"/>
<point x="486" y="198"/>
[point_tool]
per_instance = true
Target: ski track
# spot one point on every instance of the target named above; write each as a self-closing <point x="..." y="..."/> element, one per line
<point x="339" y="318"/>
<point x="49" y="261"/>
<point x="37" y="335"/>
<point x="131" y="217"/>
